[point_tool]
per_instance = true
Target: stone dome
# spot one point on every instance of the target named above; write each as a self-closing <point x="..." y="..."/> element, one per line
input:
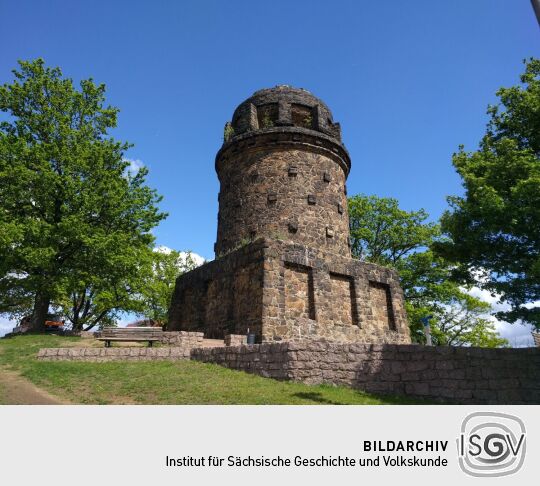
<point x="282" y="106"/>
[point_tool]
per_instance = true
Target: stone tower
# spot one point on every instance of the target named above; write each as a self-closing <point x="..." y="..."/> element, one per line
<point x="283" y="268"/>
<point x="283" y="173"/>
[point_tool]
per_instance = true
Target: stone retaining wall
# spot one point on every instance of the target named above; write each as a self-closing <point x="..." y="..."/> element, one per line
<point x="176" y="345"/>
<point x="114" y="354"/>
<point x="458" y="375"/>
<point x="454" y="375"/>
<point x="270" y="360"/>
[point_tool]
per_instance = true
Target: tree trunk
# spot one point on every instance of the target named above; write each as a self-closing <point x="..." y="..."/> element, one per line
<point x="39" y="313"/>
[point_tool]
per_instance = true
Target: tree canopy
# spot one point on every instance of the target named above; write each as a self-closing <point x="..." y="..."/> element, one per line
<point x="494" y="228"/>
<point x="381" y="232"/>
<point x="74" y="223"/>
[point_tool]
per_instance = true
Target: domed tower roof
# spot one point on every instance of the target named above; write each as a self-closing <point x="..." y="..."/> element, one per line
<point x="286" y="92"/>
<point x="284" y="106"/>
<point x="284" y="110"/>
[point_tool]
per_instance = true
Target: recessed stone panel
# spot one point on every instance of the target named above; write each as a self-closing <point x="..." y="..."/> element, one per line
<point x="299" y="301"/>
<point x="381" y="304"/>
<point x="343" y="299"/>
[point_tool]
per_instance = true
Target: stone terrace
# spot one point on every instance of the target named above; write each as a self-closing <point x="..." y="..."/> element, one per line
<point x="454" y="375"/>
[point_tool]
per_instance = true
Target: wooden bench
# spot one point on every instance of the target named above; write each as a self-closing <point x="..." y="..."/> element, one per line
<point x="131" y="334"/>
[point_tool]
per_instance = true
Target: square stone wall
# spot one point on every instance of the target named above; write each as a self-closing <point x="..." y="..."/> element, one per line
<point x="221" y="297"/>
<point x="283" y="291"/>
<point x="309" y="294"/>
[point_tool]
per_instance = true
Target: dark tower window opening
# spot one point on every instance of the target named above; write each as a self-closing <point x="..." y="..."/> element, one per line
<point x="302" y="116"/>
<point x="267" y="115"/>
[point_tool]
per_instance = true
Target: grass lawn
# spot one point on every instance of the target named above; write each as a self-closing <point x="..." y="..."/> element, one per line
<point x="163" y="382"/>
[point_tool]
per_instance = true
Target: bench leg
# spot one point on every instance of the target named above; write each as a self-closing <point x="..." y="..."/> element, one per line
<point x="150" y="343"/>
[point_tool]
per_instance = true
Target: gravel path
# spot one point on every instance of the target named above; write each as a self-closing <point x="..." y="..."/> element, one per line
<point x="16" y="390"/>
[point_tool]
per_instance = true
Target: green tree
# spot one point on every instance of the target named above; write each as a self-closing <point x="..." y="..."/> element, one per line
<point x="157" y="292"/>
<point x="97" y="295"/>
<point x="494" y="229"/>
<point x="15" y="301"/>
<point x="383" y="233"/>
<point x="74" y="223"/>
<point x="462" y="321"/>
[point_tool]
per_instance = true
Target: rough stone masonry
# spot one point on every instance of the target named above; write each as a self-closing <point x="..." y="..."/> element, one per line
<point x="439" y="373"/>
<point x="283" y="268"/>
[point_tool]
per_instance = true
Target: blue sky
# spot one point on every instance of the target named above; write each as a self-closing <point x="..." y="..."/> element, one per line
<point x="409" y="82"/>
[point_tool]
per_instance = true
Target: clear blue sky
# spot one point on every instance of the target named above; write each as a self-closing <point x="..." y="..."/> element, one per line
<point x="408" y="80"/>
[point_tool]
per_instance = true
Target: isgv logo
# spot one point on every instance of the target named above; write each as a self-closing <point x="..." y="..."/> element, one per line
<point x="491" y="444"/>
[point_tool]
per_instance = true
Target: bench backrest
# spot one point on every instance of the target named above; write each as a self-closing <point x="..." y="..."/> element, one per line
<point x="150" y="332"/>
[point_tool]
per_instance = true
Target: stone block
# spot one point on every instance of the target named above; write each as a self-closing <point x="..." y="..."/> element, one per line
<point x="398" y="367"/>
<point x="504" y="384"/>
<point x="485" y="396"/>
<point x="417" y="389"/>
<point x="410" y="376"/>
<point x="416" y="365"/>
<point x="510" y="396"/>
<point x="444" y="365"/>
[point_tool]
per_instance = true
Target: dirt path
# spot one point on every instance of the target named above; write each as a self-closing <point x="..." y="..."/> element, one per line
<point x="16" y="390"/>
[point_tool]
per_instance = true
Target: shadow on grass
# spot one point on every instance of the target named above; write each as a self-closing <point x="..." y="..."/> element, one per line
<point x="316" y="397"/>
